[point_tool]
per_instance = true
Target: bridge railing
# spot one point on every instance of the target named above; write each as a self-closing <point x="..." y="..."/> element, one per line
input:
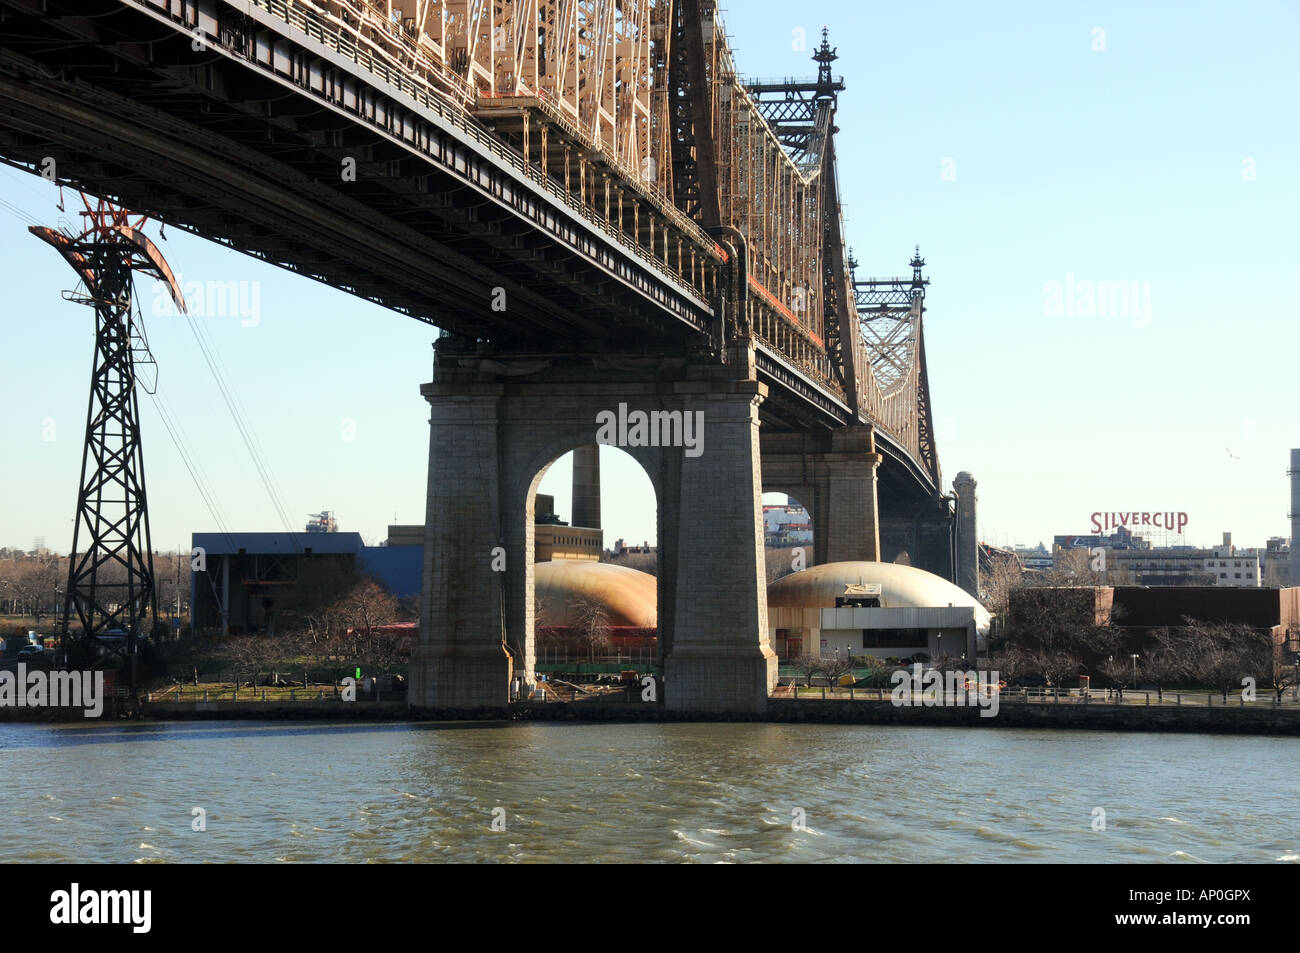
<point x="425" y="94"/>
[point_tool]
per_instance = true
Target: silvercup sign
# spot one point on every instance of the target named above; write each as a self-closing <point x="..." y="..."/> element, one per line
<point x="1160" y="520"/>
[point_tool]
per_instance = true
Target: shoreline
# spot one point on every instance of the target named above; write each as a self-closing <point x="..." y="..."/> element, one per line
<point x="1259" y="720"/>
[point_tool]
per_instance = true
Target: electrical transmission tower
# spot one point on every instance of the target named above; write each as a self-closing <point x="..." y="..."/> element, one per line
<point x="110" y="575"/>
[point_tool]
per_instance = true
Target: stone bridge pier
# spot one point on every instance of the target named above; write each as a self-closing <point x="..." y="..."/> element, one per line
<point x="923" y="528"/>
<point x="833" y="474"/>
<point x="497" y="424"/>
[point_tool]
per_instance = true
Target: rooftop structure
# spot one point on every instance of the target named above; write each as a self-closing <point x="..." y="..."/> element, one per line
<point x="322" y="522"/>
<point x="818" y="611"/>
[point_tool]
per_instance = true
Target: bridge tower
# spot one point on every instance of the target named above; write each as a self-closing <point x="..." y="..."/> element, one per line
<point x="497" y="423"/>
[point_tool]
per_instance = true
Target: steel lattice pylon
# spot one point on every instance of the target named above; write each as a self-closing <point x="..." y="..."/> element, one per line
<point x="110" y="575"/>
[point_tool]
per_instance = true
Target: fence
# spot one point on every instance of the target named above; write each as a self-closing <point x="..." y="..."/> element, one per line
<point x="182" y="693"/>
<point x="1049" y="696"/>
<point x="623" y="657"/>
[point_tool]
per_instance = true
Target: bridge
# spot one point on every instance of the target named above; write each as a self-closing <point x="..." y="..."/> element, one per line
<point x="597" y="211"/>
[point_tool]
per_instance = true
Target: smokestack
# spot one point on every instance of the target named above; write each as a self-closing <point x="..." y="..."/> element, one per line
<point x="586" y="487"/>
<point x="1227" y="543"/>
<point x="968" y="559"/>
<point x="1295" y="517"/>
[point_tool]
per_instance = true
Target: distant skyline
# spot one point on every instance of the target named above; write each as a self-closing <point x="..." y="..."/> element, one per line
<point x="1108" y="223"/>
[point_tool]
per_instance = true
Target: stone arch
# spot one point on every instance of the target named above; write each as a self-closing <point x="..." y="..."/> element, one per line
<point x="803" y="495"/>
<point x="520" y="499"/>
<point x="495" y="425"/>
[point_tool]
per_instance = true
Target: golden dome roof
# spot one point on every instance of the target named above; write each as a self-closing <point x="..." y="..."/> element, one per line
<point x="630" y="597"/>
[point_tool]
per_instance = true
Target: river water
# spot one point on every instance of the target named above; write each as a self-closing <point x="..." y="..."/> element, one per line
<point x="324" y="792"/>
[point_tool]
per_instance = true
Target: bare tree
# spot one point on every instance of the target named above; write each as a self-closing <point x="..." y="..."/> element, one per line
<point x="314" y="603"/>
<point x="1054" y="628"/>
<point x="1082" y="567"/>
<point x="547" y="634"/>
<point x="808" y="666"/>
<point x="1259" y="656"/>
<point x="592" y="626"/>
<point x="1010" y="663"/>
<point x="1119" y="672"/>
<point x="249" y="654"/>
<point x="28" y="583"/>
<point x="833" y="667"/>
<point x="1055" y="667"/>
<point x="1167" y="659"/>
<point x="1004" y="575"/>
<point x="1286" y="666"/>
<point x="384" y="649"/>
<point x="364" y="606"/>
<point x="321" y="652"/>
<point x="781" y="561"/>
<point x="1225" y="653"/>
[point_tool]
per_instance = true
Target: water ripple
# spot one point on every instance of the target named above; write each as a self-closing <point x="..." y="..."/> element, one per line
<point x="675" y="793"/>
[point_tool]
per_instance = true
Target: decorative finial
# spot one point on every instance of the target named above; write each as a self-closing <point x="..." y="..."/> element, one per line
<point x="824" y="57"/>
<point x="917" y="264"/>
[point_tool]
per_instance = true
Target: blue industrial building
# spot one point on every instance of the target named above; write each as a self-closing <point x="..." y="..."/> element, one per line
<point x="237" y="579"/>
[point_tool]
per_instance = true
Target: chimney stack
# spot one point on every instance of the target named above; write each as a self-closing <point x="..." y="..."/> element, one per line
<point x="966" y="537"/>
<point x="586" y="487"/>
<point x="1294" y="473"/>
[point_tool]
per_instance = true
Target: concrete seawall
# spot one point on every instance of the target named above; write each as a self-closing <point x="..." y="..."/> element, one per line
<point x="1259" y="720"/>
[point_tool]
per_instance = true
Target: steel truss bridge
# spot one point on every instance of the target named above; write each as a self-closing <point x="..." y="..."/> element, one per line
<point x="601" y="162"/>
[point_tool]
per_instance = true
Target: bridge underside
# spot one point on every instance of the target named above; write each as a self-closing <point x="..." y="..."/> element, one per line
<point x="435" y="224"/>
<point x="856" y="514"/>
<point x="428" y="224"/>
<point x="558" y="308"/>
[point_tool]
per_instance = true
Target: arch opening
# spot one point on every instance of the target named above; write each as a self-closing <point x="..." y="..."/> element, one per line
<point x="788" y="541"/>
<point x="592" y="599"/>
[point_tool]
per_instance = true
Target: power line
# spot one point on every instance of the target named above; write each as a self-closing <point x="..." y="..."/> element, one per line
<point x="240" y="424"/>
<point x="256" y="448"/>
<point x="172" y="425"/>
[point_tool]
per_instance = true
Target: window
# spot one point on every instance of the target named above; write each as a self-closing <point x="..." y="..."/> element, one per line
<point x="894" y="638"/>
<point x="1238" y="575"/>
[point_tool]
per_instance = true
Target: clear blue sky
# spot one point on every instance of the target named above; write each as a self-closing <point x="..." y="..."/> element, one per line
<point x="1121" y="165"/>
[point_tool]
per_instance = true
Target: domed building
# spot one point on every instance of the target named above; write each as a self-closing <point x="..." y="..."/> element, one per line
<point x="567" y="590"/>
<point x="628" y="596"/>
<point x="872" y="608"/>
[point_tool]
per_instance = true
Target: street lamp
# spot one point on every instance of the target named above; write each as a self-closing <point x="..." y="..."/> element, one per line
<point x="1135" y="670"/>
